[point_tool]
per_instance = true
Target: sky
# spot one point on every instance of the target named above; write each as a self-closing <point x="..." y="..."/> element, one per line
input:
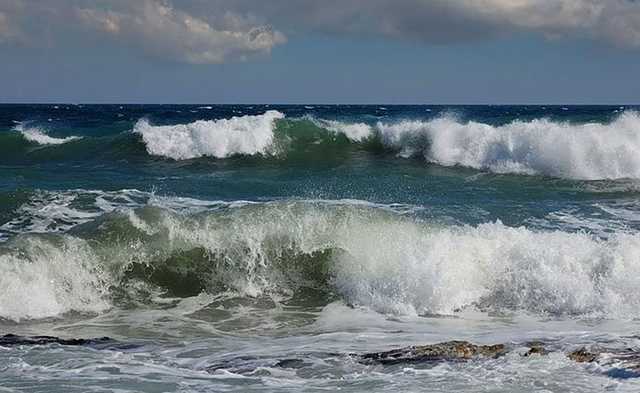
<point x="320" y="51"/>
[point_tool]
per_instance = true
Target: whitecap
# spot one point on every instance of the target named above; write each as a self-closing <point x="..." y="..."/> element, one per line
<point x="222" y="138"/>
<point x="39" y="136"/>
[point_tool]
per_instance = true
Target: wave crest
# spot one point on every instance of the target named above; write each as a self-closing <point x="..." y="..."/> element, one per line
<point x="367" y="255"/>
<point x="580" y="151"/>
<point x="589" y="151"/>
<point x="247" y="135"/>
<point x="39" y="136"/>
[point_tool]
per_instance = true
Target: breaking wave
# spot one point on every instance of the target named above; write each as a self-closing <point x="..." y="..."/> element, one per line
<point x="367" y="255"/>
<point x="580" y="151"/>
<point x="587" y="151"/>
<point x="247" y="135"/>
<point x="37" y="135"/>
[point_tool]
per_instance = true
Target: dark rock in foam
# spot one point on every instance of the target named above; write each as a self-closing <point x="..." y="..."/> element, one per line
<point x="446" y="351"/>
<point x="11" y="340"/>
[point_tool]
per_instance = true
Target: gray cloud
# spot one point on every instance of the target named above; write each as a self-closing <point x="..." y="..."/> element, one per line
<point x="442" y="21"/>
<point x="213" y="31"/>
<point x="613" y="21"/>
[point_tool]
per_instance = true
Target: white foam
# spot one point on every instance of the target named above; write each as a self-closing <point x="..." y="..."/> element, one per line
<point x="356" y="132"/>
<point x="215" y="138"/>
<point x="579" y="151"/>
<point x="37" y="135"/>
<point x="46" y="279"/>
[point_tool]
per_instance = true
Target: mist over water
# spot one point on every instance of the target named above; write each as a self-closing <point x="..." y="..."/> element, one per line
<point x="220" y="241"/>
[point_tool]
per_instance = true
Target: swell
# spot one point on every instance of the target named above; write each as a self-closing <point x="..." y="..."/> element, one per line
<point x="366" y="255"/>
<point x="585" y="151"/>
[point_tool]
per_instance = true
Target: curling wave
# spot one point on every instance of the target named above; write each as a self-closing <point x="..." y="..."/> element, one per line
<point x="37" y="135"/>
<point x="365" y="254"/>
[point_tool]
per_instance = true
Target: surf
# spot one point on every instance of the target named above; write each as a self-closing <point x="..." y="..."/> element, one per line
<point x="366" y="255"/>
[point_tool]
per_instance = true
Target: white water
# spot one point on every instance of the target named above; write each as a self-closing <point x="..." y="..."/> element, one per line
<point x="356" y="132"/>
<point x="578" y="151"/>
<point x="589" y="151"/>
<point x="39" y="136"/>
<point x="382" y="261"/>
<point x="214" y="138"/>
<point x="44" y="279"/>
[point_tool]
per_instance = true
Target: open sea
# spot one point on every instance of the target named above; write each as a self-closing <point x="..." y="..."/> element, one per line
<point x="237" y="248"/>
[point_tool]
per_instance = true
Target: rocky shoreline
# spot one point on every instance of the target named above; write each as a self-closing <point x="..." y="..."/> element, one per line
<point x="622" y="362"/>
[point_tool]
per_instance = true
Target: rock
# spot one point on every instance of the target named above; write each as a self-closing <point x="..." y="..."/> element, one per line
<point x="625" y="361"/>
<point x="11" y="340"/>
<point x="536" y="348"/>
<point x="582" y="356"/>
<point x="446" y="351"/>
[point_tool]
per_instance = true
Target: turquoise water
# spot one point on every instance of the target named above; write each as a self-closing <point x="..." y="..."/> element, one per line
<point x="220" y="240"/>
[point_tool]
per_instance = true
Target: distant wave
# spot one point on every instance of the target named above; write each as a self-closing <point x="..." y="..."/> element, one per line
<point x="368" y="255"/>
<point x="584" y="151"/>
<point x="588" y="151"/>
<point x="580" y="151"/>
<point x="247" y="135"/>
<point x="39" y="136"/>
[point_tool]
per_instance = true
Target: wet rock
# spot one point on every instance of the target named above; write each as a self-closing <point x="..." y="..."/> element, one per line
<point x="446" y="351"/>
<point x="623" y="362"/>
<point x="11" y="340"/>
<point x="582" y="356"/>
<point x="536" y="348"/>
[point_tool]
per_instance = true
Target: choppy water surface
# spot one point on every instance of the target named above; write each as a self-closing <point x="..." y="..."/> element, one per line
<point x="238" y="248"/>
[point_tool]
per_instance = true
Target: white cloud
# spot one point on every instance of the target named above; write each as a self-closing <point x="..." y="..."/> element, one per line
<point x="154" y="27"/>
<point x="162" y="30"/>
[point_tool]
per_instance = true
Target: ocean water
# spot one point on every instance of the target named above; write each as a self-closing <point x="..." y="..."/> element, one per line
<point x="262" y="247"/>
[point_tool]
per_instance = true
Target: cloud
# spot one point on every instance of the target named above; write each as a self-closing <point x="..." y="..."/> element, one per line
<point x="154" y="27"/>
<point x="614" y="22"/>
<point x="9" y="32"/>
<point x="215" y="31"/>
<point x="162" y="30"/>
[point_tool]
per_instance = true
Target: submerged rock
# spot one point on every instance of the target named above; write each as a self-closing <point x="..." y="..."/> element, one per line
<point x="446" y="351"/>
